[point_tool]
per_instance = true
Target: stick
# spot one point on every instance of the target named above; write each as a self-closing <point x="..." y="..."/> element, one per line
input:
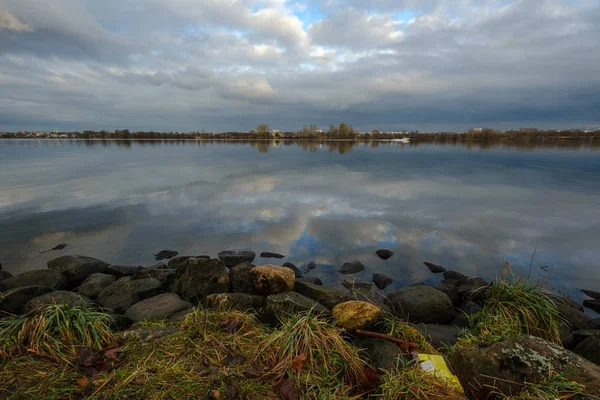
<point x="403" y="343"/>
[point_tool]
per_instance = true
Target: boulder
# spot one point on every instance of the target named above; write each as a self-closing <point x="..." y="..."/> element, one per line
<point x="440" y="336"/>
<point x="356" y="285"/>
<point x="327" y="296"/>
<point x="423" y="304"/>
<point x="574" y="317"/>
<point x="465" y="290"/>
<point x="381" y="281"/>
<point x="165" y="255"/>
<point x="13" y="301"/>
<point x="566" y="301"/>
<point x="352" y="267"/>
<point x="271" y="279"/>
<point x="469" y="307"/>
<point x="518" y="360"/>
<point x="365" y="291"/>
<point x="451" y="282"/>
<point x="234" y="301"/>
<point x="77" y="268"/>
<point x="158" y="265"/>
<point x="451" y="291"/>
<point x="355" y="314"/>
<point x="126" y="291"/>
<point x="176" y="262"/>
<point x="383" y="354"/>
<point x="311" y="265"/>
<point x="95" y="284"/>
<point x="436" y="269"/>
<point x="592" y="305"/>
<point x="384" y="254"/>
<point x="165" y="276"/>
<point x="310" y="279"/>
<point x="589" y="348"/>
<point x="198" y="277"/>
<point x="41" y="277"/>
<point x="268" y="254"/>
<point x="231" y="258"/>
<point x="120" y="271"/>
<point x="296" y="270"/>
<point x="240" y="278"/>
<point x="280" y="305"/>
<point x="456" y="276"/>
<point x="181" y="314"/>
<point x="5" y="275"/>
<point x="581" y="334"/>
<point x="58" y="297"/>
<point x="591" y="293"/>
<point x="157" y="307"/>
<point x="566" y="335"/>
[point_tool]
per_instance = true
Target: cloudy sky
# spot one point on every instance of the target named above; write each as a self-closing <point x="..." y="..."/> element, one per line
<point x="219" y="65"/>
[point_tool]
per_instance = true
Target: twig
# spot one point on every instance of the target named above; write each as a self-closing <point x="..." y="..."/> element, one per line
<point x="402" y="343"/>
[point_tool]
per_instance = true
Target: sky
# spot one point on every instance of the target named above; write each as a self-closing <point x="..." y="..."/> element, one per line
<point x="228" y="65"/>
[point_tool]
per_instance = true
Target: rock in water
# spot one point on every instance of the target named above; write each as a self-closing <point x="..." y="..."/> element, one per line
<point x="296" y="270"/>
<point x="384" y="254"/>
<point x="592" y="305"/>
<point x="13" y="301"/>
<point x="165" y="255"/>
<point x="352" y="267"/>
<point x="591" y="293"/>
<point x="381" y="281"/>
<point x="436" y="269"/>
<point x="125" y="292"/>
<point x="77" y="268"/>
<point x="356" y="314"/>
<point x="95" y="284"/>
<point x="456" y="276"/>
<point x="516" y="361"/>
<point x="310" y="279"/>
<point x="311" y="265"/>
<point x="42" y="277"/>
<point x="198" y="277"/>
<point x="271" y="279"/>
<point x="157" y="307"/>
<point x="422" y="304"/>
<point x="58" y="297"/>
<point x="466" y="290"/>
<point x="232" y="258"/>
<point x="268" y="254"/>
<point x="234" y="301"/>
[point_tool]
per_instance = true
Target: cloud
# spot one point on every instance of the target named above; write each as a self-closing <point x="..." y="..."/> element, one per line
<point x="12" y="23"/>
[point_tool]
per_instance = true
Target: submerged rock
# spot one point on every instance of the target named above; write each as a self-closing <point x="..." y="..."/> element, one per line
<point x="126" y="291"/>
<point x="272" y="279"/>
<point x="239" y="276"/>
<point x="352" y="267"/>
<point x="311" y="265"/>
<point x="381" y="281"/>
<point x="42" y="277"/>
<point x="268" y="254"/>
<point x="13" y="301"/>
<point x="423" y="304"/>
<point x="165" y="255"/>
<point x="199" y="277"/>
<point x="436" y="269"/>
<point x="58" y="297"/>
<point x="384" y="254"/>
<point x="232" y="258"/>
<point x="157" y="307"/>
<point x="235" y="301"/>
<point x="296" y="270"/>
<point x="77" y="268"/>
<point x="329" y="297"/>
<point x="356" y="314"/>
<point x="95" y="284"/>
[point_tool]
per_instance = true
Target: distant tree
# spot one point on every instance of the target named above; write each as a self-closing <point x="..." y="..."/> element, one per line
<point x="262" y="128"/>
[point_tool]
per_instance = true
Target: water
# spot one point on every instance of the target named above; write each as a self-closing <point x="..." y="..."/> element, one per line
<point x="466" y="209"/>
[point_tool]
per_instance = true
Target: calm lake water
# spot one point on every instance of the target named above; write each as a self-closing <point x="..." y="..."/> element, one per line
<point x="466" y="209"/>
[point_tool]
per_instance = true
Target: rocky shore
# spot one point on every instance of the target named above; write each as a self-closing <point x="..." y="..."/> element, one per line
<point x="490" y="359"/>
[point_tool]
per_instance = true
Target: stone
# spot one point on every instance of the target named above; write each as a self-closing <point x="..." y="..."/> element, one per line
<point x="384" y="254"/>
<point x="566" y="301"/>
<point x="591" y="293"/>
<point x="365" y="291"/>
<point x="381" y="281"/>
<point x="355" y="284"/>
<point x="574" y="317"/>
<point x="158" y="307"/>
<point x="352" y="267"/>
<point x="356" y="314"/>
<point x="469" y="307"/>
<point x="329" y="297"/>
<point x="566" y="335"/>
<point x="440" y="336"/>
<point x="179" y="315"/>
<point x="41" y="277"/>
<point x="272" y="279"/>
<point x="466" y="290"/>
<point x="456" y="276"/>
<point x="95" y="284"/>
<point x="77" y="268"/>
<point x="5" y="275"/>
<point x="310" y="279"/>
<point x="165" y="276"/>
<point x="234" y="301"/>
<point x="451" y="291"/>
<point x="126" y="291"/>
<point x="581" y="334"/>
<point x="13" y="301"/>
<point x="518" y="360"/>
<point x="592" y="305"/>
<point x="451" y="282"/>
<point x="148" y="334"/>
<point x="198" y="277"/>
<point x="436" y="269"/>
<point x="165" y="255"/>
<point x="176" y="262"/>
<point x="158" y="265"/>
<point x="423" y="304"/>
<point x="383" y="354"/>
<point x="311" y="265"/>
<point x="231" y="258"/>
<point x="283" y="304"/>
<point x="120" y="271"/>
<point x="296" y="270"/>
<point x="589" y="348"/>
<point x="268" y="254"/>
<point x="58" y="297"/>
<point x="239" y="277"/>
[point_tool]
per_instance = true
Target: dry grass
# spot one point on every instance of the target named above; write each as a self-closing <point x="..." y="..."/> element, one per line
<point x="555" y="387"/>
<point x="400" y="329"/>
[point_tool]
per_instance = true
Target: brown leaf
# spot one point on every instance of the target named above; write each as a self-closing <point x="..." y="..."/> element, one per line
<point x="231" y="324"/>
<point x="113" y="353"/>
<point x="234" y="359"/>
<point x="216" y="394"/>
<point x="287" y="390"/>
<point x="372" y="379"/>
<point x="297" y="363"/>
<point x="83" y="383"/>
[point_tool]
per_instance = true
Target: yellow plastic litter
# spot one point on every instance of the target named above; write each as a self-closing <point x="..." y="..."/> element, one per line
<point x="436" y="365"/>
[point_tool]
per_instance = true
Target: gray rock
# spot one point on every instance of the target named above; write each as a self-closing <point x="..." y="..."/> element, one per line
<point x="451" y="282"/>
<point x="58" y="297"/>
<point x="436" y="269"/>
<point x="268" y="254"/>
<point x="13" y="301"/>
<point x="231" y="258"/>
<point x="165" y="254"/>
<point x="296" y="270"/>
<point x="592" y="305"/>
<point x="596" y="322"/>
<point x="383" y="354"/>
<point x="95" y="284"/>
<point x="440" y="336"/>
<point x="281" y="305"/>
<point x="352" y="267"/>
<point x="451" y="291"/>
<point x="271" y="279"/>
<point x="158" y="265"/>
<point x="566" y="301"/>
<point x="581" y="334"/>
<point x="126" y="291"/>
<point x="41" y="277"/>
<point x="77" y="268"/>
<point x="365" y="291"/>
<point x="566" y="335"/>
<point x="381" y="281"/>
<point x="310" y="279"/>
<point x="120" y="271"/>
<point x="384" y="254"/>
<point x="461" y="321"/>
<point x="179" y="315"/>
<point x="423" y="304"/>
<point x="356" y="284"/>
<point x="239" y="276"/>
<point x="469" y="307"/>
<point x="199" y="277"/>
<point x="467" y="289"/>
<point x="157" y="307"/>
<point x="5" y="275"/>
<point x="518" y="360"/>
<point x="176" y="262"/>
<point x="456" y="276"/>
<point x="575" y="318"/>
<point x="589" y="348"/>
<point x="311" y="265"/>
<point x="591" y="293"/>
<point x="234" y="301"/>
<point x="327" y="296"/>
<point x="165" y="276"/>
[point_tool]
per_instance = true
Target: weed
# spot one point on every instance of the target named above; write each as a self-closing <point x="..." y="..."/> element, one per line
<point x="555" y="387"/>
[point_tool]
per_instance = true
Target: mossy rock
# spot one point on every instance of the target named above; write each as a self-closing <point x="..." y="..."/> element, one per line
<point x="356" y="314"/>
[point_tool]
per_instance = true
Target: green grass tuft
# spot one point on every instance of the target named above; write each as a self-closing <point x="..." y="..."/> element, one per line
<point x="555" y="387"/>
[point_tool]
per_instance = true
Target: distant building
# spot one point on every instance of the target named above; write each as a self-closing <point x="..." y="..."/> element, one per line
<point x="477" y="129"/>
<point x="275" y="132"/>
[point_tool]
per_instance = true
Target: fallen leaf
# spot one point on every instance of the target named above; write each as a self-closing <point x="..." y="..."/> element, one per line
<point x="113" y="353"/>
<point x="216" y="394"/>
<point x="371" y="380"/>
<point x="83" y="383"/>
<point x="287" y="390"/>
<point x="297" y="363"/>
<point x="231" y="324"/>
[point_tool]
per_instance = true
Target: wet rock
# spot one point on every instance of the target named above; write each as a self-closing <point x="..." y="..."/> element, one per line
<point x="5" y="275"/>
<point x="518" y="360"/>
<point x="451" y="291"/>
<point x="422" y="304"/>
<point x="329" y="297"/>
<point x="575" y="318"/>
<point x="591" y="293"/>
<point x="383" y="354"/>
<point x="41" y="277"/>
<point x="158" y="265"/>
<point x="95" y="284"/>
<point x="165" y="276"/>
<point x="451" y="282"/>
<point x="365" y="291"/>
<point x="469" y="307"/>
<point x="436" y="269"/>
<point x="268" y="254"/>
<point x="310" y="279"/>
<point x="271" y="279"/>
<point x="232" y="258"/>
<point x="280" y="305"/>
<point x="466" y="290"/>
<point x="13" y="301"/>
<point x="456" y="276"/>
<point x="240" y="278"/>
<point x="148" y="334"/>
<point x="165" y="255"/>
<point x="384" y="254"/>
<point x="235" y="301"/>
<point x="296" y="270"/>
<point x="198" y="277"/>
<point x="581" y="334"/>
<point x="352" y="267"/>
<point x="566" y="301"/>
<point x="176" y="262"/>
<point x="356" y="285"/>
<point x="589" y="348"/>
<point x="355" y="314"/>
<point x="566" y="335"/>
<point x="77" y="268"/>
<point x="381" y="281"/>
<point x="157" y="307"/>
<point x="126" y="291"/>
<point x="179" y="315"/>
<point x="592" y="305"/>
<point x="440" y="336"/>
<point x="311" y="265"/>
<point x="120" y="271"/>
<point x="58" y="297"/>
